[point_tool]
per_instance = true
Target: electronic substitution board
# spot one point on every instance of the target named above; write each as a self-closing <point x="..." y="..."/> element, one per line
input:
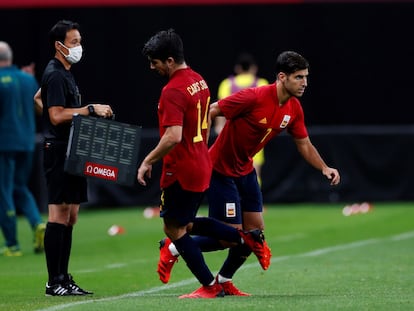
<point x="103" y="149"/>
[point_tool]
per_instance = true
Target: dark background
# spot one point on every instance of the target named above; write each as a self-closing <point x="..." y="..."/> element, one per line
<point x="360" y="54"/>
<point x="358" y="106"/>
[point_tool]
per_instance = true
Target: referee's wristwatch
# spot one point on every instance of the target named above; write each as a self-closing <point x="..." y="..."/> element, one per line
<point x="91" y="110"/>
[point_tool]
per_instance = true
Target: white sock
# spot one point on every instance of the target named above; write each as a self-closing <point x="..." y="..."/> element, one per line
<point x="173" y="250"/>
<point x="222" y="279"/>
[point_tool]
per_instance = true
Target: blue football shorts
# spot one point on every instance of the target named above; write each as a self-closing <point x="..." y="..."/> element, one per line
<point x="229" y="197"/>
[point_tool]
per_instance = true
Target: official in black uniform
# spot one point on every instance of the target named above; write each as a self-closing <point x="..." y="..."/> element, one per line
<point x="59" y="95"/>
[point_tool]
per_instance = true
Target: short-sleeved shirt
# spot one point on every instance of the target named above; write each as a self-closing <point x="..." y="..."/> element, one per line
<point x="253" y="118"/>
<point x="17" y="116"/>
<point x="58" y="89"/>
<point x="184" y="102"/>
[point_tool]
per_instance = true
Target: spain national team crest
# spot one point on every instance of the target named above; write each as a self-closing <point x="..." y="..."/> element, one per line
<point x="285" y="121"/>
<point x="231" y="210"/>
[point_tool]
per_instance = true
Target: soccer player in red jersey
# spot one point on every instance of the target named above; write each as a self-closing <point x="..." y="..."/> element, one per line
<point x="183" y="125"/>
<point x="254" y="116"/>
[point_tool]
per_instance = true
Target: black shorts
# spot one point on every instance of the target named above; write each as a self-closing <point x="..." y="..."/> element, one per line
<point x="61" y="186"/>
<point x="180" y="205"/>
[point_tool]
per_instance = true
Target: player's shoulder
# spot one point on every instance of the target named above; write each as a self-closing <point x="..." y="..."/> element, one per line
<point x="25" y="75"/>
<point x="225" y="82"/>
<point x="295" y="104"/>
<point x="295" y="101"/>
<point x="224" y="88"/>
<point x="262" y="81"/>
<point x="265" y="89"/>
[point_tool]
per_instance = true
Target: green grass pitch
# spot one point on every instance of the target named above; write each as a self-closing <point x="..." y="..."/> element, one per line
<point x="321" y="260"/>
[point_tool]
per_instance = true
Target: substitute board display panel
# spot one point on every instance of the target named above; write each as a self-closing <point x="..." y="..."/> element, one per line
<point x="103" y="149"/>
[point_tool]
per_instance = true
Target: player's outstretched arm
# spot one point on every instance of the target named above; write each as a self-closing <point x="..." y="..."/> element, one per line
<point x="312" y="156"/>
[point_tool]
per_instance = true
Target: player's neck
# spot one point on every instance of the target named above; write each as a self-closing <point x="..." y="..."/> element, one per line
<point x="282" y="94"/>
<point x="177" y="67"/>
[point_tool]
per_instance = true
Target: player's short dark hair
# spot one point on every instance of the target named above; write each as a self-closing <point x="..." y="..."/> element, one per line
<point x="164" y="44"/>
<point x="289" y="62"/>
<point x="59" y="30"/>
<point x="246" y="61"/>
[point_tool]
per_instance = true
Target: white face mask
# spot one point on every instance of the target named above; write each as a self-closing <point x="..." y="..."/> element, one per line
<point x="75" y="54"/>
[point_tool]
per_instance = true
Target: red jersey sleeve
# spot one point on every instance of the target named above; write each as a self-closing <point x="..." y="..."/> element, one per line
<point x="297" y="128"/>
<point x="237" y="103"/>
<point x="173" y="105"/>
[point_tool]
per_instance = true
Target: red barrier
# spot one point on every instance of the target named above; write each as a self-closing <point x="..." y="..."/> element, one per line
<point x="119" y="3"/>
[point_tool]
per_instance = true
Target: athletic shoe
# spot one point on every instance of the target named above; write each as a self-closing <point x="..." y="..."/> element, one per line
<point x="57" y="290"/>
<point x="212" y="291"/>
<point x="75" y="289"/>
<point x="166" y="262"/>
<point x="231" y="290"/>
<point x="255" y="240"/>
<point x="11" y="251"/>
<point x="39" y="237"/>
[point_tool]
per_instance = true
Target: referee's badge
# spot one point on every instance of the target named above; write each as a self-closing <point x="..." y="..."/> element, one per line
<point x="231" y="210"/>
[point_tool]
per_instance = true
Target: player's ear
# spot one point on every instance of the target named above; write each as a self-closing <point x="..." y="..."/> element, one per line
<point x="281" y="76"/>
<point x="170" y="61"/>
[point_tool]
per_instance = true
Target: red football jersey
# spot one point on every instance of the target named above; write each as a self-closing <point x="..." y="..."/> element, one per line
<point x="184" y="101"/>
<point x="253" y="118"/>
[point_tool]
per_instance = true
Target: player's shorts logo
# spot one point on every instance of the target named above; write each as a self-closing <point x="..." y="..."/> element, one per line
<point x="230" y="210"/>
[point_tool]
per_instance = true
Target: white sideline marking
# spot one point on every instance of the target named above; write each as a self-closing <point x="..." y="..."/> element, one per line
<point x="403" y="236"/>
<point x="317" y="252"/>
<point x="322" y="251"/>
<point x="116" y="265"/>
<point x="107" y="267"/>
